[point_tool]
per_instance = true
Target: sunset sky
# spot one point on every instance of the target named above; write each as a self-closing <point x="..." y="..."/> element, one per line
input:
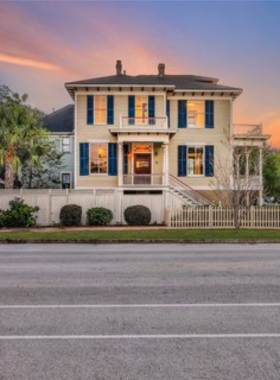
<point x="44" y="44"/>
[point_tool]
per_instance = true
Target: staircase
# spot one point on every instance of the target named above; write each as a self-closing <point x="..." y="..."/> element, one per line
<point x="186" y="194"/>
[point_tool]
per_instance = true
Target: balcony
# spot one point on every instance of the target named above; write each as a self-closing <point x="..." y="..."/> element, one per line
<point x="143" y="180"/>
<point x="247" y="129"/>
<point x="249" y="134"/>
<point x="156" y="127"/>
<point x="159" y="122"/>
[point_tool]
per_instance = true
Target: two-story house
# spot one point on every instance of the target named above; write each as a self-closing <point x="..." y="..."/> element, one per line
<point x="154" y="133"/>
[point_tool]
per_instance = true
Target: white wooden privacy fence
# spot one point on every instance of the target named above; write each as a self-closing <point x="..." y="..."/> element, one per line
<point x="50" y="202"/>
<point x="211" y="217"/>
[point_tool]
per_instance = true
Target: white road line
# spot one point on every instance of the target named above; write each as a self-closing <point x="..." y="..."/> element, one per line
<point x="106" y="337"/>
<point x="138" y="306"/>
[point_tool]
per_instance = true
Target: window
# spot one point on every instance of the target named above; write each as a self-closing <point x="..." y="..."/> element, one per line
<point x="66" y="148"/>
<point x="141" y="109"/>
<point x="196" y="113"/>
<point x="66" y="180"/>
<point x="195" y="160"/>
<point x="98" y="158"/>
<point x="100" y="109"/>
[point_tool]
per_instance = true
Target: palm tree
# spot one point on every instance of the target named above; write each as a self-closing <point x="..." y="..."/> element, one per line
<point x="20" y="129"/>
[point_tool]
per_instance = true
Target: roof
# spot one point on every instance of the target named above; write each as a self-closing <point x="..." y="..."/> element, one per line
<point x="61" y="121"/>
<point x="176" y="82"/>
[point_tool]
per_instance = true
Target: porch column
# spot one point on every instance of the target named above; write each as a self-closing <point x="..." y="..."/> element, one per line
<point x="261" y="176"/>
<point x="120" y="164"/>
<point x="247" y="179"/>
<point x="165" y="163"/>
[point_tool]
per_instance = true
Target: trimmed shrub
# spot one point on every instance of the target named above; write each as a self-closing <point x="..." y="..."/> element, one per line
<point x="19" y="215"/>
<point x="71" y="215"/>
<point x="138" y="215"/>
<point x="99" y="216"/>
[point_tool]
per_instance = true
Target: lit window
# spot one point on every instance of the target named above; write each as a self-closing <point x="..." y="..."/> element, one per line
<point x="195" y="160"/>
<point x="100" y="109"/>
<point x="98" y="158"/>
<point x="141" y="109"/>
<point x="66" y="144"/>
<point x="65" y="180"/>
<point x="196" y="113"/>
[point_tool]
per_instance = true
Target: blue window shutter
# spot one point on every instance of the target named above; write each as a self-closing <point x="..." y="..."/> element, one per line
<point x="168" y="112"/>
<point x="151" y="108"/>
<point x="209" y="161"/>
<point x="182" y="114"/>
<point x="110" y="109"/>
<point x="90" y="113"/>
<point x="131" y="109"/>
<point x="209" y="114"/>
<point x="84" y="159"/>
<point x="182" y="160"/>
<point x="112" y="169"/>
<point x="125" y="158"/>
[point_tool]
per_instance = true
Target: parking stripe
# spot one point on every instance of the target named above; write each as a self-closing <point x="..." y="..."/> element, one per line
<point x="160" y="336"/>
<point x="136" y="306"/>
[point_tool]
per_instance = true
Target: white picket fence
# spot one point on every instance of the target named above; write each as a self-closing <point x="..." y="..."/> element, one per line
<point x="50" y="202"/>
<point x="213" y="217"/>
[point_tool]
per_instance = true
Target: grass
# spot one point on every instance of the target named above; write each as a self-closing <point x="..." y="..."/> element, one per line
<point x="143" y="235"/>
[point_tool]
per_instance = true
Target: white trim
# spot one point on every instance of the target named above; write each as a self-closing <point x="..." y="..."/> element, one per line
<point x="119" y="93"/>
<point x="76" y="147"/>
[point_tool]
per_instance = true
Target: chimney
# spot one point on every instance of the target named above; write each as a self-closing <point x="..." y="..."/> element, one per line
<point x="161" y="69"/>
<point x="119" y="67"/>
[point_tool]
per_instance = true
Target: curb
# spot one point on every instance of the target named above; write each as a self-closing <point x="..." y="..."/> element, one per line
<point x="152" y="241"/>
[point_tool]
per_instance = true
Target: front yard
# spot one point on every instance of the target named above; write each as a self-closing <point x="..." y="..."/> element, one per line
<point x="139" y="234"/>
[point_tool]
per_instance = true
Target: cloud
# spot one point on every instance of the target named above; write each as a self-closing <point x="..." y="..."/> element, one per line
<point x="8" y="58"/>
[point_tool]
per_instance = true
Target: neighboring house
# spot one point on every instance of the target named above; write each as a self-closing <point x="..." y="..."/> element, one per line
<point x="60" y="123"/>
<point x="155" y="133"/>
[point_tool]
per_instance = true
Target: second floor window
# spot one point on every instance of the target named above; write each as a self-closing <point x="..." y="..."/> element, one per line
<point x="100" y="109"/>
<point x="98" y="158"/>
<point x="141" y="109"/>
<point x="66" y="147"/>
<point x="196" y="113"/>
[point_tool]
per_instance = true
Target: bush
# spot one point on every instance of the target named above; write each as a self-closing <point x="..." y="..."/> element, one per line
<point x="19" y="215"/>
<point x="99" y="216"/>
<point x="71" y="215"/>
<point x="137" y="215"/>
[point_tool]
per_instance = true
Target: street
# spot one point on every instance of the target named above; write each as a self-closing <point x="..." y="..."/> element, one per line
<point x="139" y="312"/>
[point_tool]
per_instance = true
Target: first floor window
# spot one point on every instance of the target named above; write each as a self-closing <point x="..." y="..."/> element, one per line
<point x="66" y="145"/>
<point x="196" y="113"/>
<point x="65" y="180"/>
<point x="98" y="158"/>
<point x="100" y="109"/>
<point x="195" y="160"/>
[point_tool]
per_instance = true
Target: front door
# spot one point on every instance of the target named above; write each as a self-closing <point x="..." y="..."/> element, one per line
<point x="142" y="169"/>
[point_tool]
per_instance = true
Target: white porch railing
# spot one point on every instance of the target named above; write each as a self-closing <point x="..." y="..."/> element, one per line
<point x="159" y="122"/>
<point x="247" y="129"/>
<point x="143" y="180"/>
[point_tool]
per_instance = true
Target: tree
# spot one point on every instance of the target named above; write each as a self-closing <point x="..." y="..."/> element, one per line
<point x="271" y="172"/>
<point x="22" y="136"/>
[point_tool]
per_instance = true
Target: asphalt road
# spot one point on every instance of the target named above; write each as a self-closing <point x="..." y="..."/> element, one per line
<point x="129" y="312"/>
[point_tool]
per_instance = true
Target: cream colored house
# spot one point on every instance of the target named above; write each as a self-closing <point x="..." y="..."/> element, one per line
<point x="155" y="134"/>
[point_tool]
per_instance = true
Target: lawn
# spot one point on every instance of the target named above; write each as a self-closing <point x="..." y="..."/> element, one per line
<point x="142" y="235"/>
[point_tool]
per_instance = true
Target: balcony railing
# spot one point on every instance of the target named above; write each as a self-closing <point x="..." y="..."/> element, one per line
<point x="247" y="129"/>
<point x="159" y="122"/>
<point x="143" y="179"/>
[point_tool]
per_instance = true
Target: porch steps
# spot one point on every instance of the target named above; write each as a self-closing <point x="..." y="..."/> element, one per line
<point x="186" y="193"/>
